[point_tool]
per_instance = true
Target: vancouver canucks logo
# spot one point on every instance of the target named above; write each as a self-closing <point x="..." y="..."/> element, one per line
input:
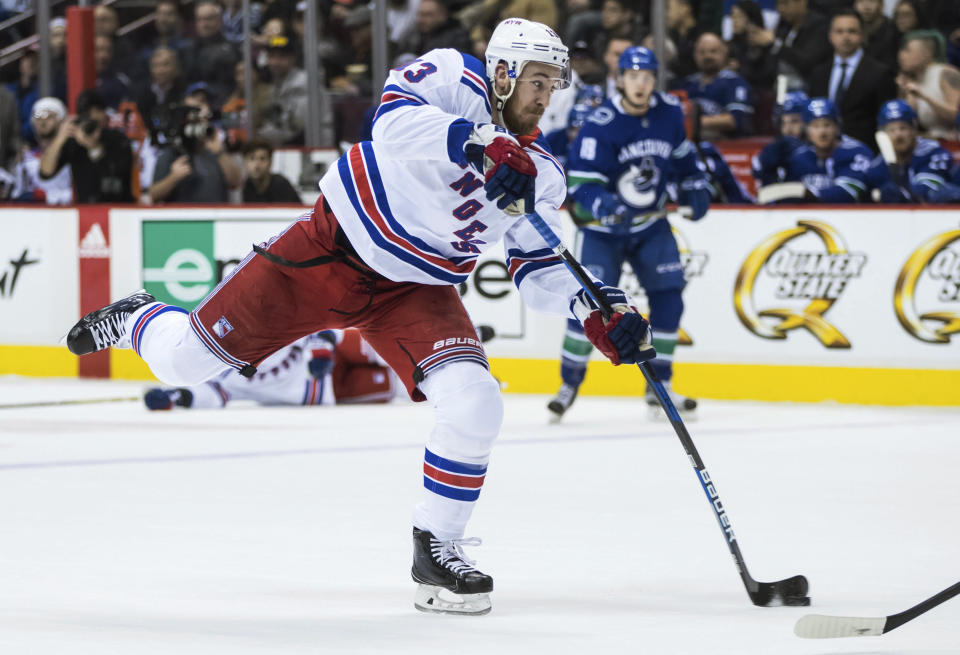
<point x="806" y="269"/>
<point x="930" y="280"/>
<point x="638" y="185"/>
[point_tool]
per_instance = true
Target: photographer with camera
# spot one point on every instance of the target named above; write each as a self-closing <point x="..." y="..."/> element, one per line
<point x="100" y="159"/>
<point x="194" y="166"/>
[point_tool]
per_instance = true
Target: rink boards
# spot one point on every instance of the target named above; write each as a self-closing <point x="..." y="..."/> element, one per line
<point x="797" y="304"/>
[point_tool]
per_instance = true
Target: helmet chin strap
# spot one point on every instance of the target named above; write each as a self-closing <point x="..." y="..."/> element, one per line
<point x="501" y="100"/>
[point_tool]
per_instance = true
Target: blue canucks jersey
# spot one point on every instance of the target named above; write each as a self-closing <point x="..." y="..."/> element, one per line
<point x="921" y="179"/>
<point x="631" y="156"/>
<point x="769" y="166"/>
<point x="727" y="93"/>
<point x="841" y="177"/>
<point x="721" y="176"/>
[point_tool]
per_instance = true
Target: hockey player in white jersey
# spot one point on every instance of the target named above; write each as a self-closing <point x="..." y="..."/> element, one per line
<point x="333" y="367"/>
<point x="455" y="163"/>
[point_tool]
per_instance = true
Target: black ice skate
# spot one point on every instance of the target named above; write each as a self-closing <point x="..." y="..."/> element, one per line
<point x="106" y="326"/>
<point x="441" y="566"/>
<point x="686" y="407"/>
<point x="561" y="402"/>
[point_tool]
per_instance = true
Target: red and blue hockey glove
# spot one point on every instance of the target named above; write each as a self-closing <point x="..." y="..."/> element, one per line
<point x="695" y="193"/>
<point x="625" y="338"/>
<point x="508" y="172"/>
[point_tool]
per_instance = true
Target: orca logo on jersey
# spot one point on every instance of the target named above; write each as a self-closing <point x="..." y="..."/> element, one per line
<point x="638" y="185"/>
<point x="808" y="277"/>
<point x="930" y="277"/>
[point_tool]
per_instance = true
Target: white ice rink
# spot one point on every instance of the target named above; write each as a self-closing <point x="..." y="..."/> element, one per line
<point x="287" y="531"/>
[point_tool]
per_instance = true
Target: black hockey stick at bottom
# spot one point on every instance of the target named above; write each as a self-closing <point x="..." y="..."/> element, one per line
<point x="790" y="591"/>
<point x="821" y="626"/>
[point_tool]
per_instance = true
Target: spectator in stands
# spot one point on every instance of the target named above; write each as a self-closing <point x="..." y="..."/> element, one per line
<point x="105" y="23"/>
<point x="234" y="111"/>
<point x="168" y="33"/>
<point x="750" y="47"/>
<point x="832" y="167"/>
<point x="857" y="83"/>
<point x="401" y="22"/>
<point x="211" y="57"/>
<point x="100" y="159"/>
<point x="583" y="20"/>
<point x="682" y="30"/>
<point x="909" y="15"/>
<point x="769" y="166"/>
<point x="9" y="142"/>
<point x="612" y="50"/>
<point x="799" y="41"/>
<point x="880" y="38"/>
<point x="725" y="98"/>
<point x="622" y="19"/>
<point x="58" y="56"/>
<point x="26" y="91"/>
<point x="488" y="12"/>
<point x="436" y="28"/>
<point x="922" y="167"/>
<point x="930" y="86"/>
<point x="233" y="20"/>
<point x="195" y="167"/>
<point x="112" y="85"/>
<point x="47" y="115"/>
<point x="286" y="114"/>
<point x="262" y="186"/>
<point x="157" y="97"/>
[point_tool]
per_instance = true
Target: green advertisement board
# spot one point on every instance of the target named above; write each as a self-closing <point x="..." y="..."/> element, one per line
<point x="179" y="267"/>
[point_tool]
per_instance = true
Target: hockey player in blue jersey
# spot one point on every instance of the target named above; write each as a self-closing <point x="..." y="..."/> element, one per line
<point x="922" y="167"/>
<point x="724" y="186"/>
<point x="832" y="167"/>
<point x="560" y="140"/>
<point x="618" y="170"/>
<point x="770" y="165"/>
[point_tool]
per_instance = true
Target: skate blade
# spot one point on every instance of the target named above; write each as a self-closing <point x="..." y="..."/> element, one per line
<point x="427" y="599"/>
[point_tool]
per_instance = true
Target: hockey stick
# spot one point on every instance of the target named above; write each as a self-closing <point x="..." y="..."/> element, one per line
<point x="820" y="626"/>
<point x="780" y="191"/>
<point x="885" y="144"/>
<point x="57" y="403"/>
<point x="791" y="591"/>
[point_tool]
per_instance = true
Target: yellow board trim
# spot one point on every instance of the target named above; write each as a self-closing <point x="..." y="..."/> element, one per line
<point x="870" y="386"/>
<point x="39" y="361"/>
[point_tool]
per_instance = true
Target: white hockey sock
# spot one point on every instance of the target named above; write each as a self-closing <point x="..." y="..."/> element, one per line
<point x="161" y="335"/>
<point x="469" y="412"/>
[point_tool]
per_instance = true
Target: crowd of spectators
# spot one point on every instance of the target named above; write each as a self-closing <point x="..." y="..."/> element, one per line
<point x="172" y="94"/>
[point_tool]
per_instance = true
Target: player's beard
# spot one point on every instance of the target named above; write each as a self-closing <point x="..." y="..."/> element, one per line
<point x="521" y="122"/>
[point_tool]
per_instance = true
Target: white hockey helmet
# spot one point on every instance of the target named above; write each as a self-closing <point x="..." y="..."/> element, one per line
<point x="516" y="41"/>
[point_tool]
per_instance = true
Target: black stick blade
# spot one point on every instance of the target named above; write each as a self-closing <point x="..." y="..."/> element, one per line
<point x="791" y="592"/>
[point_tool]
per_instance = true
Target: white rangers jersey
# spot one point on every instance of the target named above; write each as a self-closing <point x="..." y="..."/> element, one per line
<point x="416" y="211"/>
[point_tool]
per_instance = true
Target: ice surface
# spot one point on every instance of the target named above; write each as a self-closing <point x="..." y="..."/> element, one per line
<point x="287" y="531"/>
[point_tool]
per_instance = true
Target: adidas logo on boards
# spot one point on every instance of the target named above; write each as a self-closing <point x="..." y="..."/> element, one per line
<point x="94" y="244"/>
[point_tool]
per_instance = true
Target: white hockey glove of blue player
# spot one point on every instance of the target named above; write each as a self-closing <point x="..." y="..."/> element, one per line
<point x="625" y="338"/>
<point x="694" y="192"/>
<point x="609" y="210"/>
<point x="508" y="172"/>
